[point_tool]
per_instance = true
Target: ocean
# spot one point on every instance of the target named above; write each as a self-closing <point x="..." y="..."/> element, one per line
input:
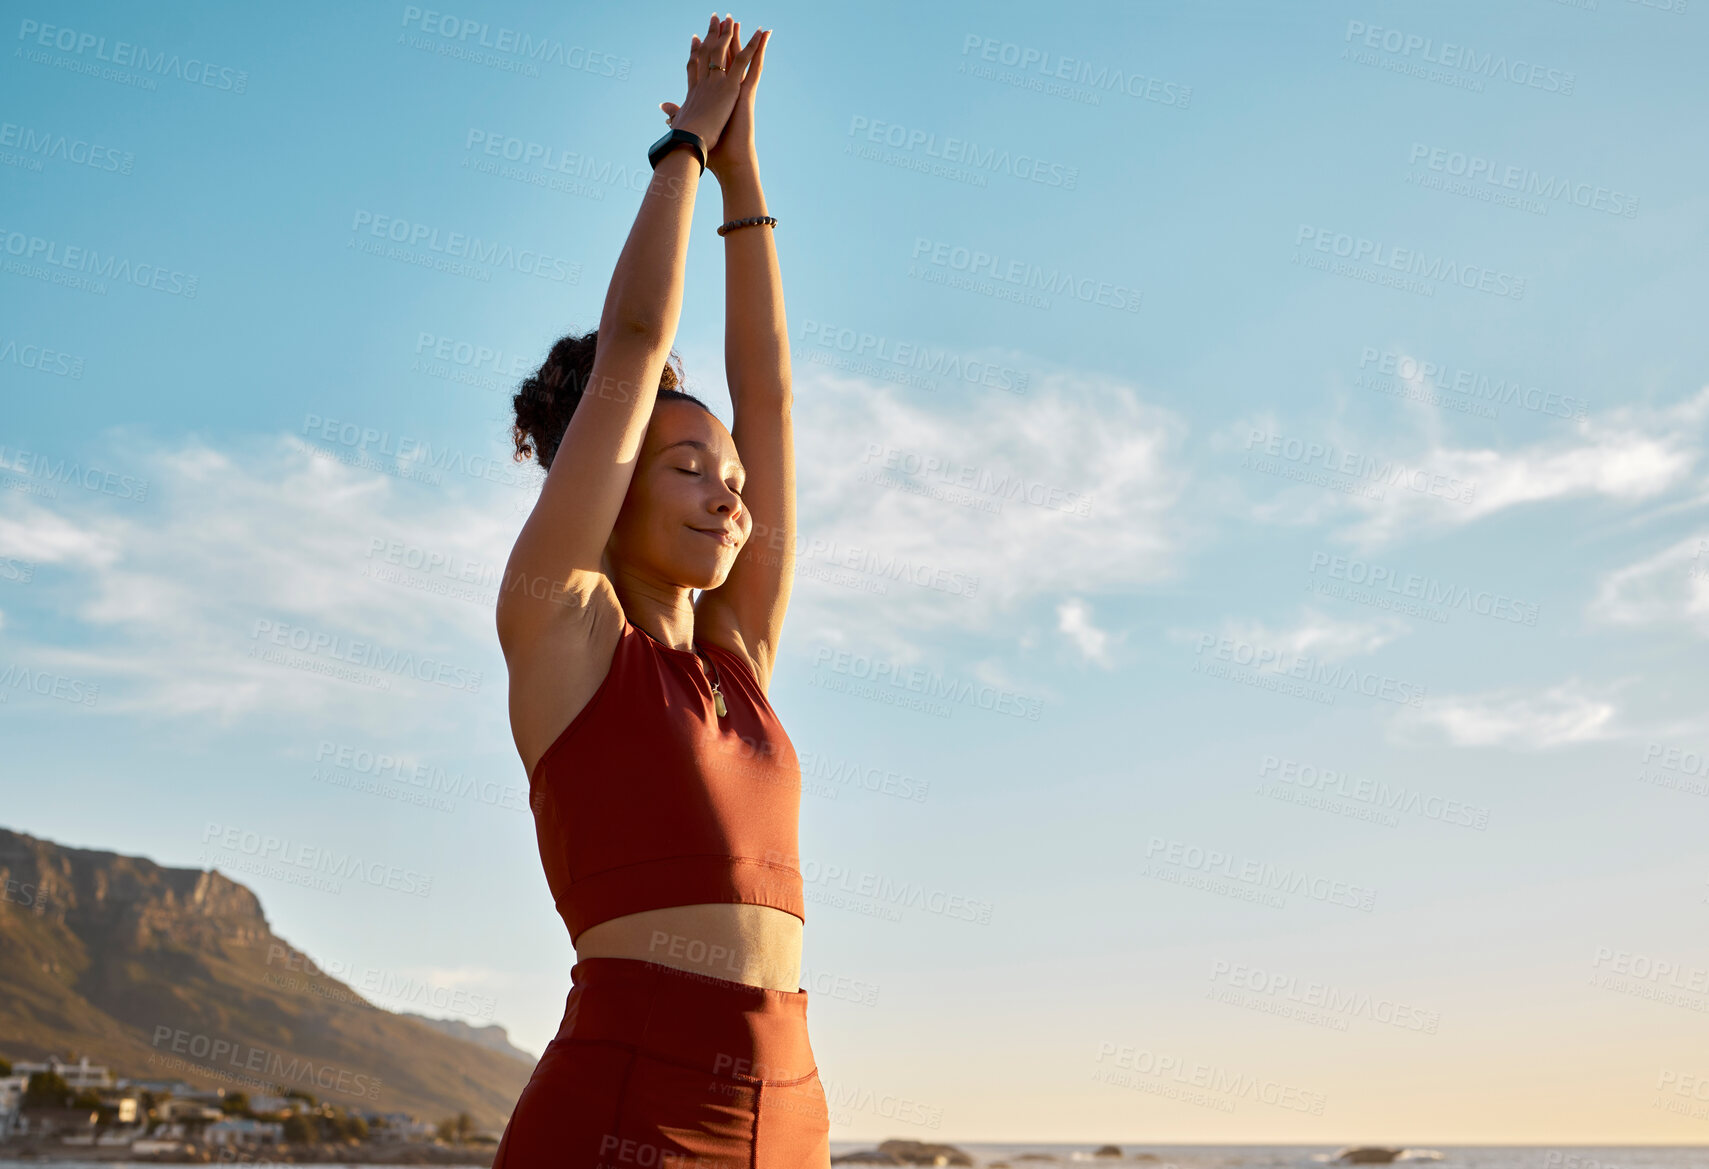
<point x="1316" y="1156"/>
<point x="1241" y="1156"/>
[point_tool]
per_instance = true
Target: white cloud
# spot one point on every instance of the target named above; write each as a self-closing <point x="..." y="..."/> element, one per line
<point x="43" y="536"/>
<point x="229" y="541"/>
<point x="985" y="493"/>
<point x="1319" y="635"/>
<point x="1670" y="587"/>
<point x="1074" y="617"/>
<point x="1628" y="454"/>
<point x="1562" y="715"/>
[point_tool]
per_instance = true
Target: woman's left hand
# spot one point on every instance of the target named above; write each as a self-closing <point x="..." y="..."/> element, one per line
<point x="734" y="150"/>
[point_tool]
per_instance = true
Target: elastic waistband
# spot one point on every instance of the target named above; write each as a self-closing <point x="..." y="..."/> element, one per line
<point x="723" y="1028"/>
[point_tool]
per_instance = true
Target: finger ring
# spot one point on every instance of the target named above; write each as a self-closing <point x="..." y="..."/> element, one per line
<point x="709" y="68"/>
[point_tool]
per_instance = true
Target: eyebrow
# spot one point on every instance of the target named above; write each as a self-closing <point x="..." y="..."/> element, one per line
<point x="695" y="442"/>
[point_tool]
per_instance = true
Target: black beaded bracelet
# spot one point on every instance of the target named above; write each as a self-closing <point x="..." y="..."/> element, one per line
<point x="727" y="228"/>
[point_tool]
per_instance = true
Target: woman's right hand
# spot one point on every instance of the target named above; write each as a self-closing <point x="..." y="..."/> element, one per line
<point x="712" y="92"/>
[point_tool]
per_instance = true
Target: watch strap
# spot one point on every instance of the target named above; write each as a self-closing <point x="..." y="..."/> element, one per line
<point x="674" y="138"/>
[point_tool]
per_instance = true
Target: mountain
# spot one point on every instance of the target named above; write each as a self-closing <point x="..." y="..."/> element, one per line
<point x="163" y="974"/>
<point x="490" y="1035"/>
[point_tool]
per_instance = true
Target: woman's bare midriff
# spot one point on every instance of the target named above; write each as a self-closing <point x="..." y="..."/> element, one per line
<point x="755" y="944"/>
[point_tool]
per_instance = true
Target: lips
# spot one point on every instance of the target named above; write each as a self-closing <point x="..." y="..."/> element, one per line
<point x="718" y="534"/>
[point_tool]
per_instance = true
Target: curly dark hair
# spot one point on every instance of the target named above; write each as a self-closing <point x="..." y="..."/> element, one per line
<point x="547" y="398"/>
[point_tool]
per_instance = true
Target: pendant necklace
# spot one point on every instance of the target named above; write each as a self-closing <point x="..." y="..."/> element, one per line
<point x="717" y="694"/>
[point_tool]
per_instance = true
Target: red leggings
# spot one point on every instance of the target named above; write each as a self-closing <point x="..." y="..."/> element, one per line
<point x="659" y="1068"/>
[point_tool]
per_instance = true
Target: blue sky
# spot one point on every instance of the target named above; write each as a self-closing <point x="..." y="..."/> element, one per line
<point x="1246" y="646"/>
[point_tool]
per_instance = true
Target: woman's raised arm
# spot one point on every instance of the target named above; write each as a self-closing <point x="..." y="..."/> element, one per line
<point x="749" y="607"/>
<point x="556" y="560"/>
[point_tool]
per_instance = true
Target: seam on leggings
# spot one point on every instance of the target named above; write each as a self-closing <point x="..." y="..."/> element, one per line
<point x="629" y="1072"/>
<point x="616" y="1133"/>
<point x="754" y="1143"/>
<point x="790" y="1083"/>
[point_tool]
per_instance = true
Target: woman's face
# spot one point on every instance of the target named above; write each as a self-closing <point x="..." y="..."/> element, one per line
<point x="683" y="521"/>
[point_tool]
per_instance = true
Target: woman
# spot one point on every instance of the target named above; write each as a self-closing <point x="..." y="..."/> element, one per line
<point x="666" y="795"/>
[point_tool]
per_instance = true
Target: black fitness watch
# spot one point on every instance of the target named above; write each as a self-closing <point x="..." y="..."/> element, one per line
<point x="673" y="139"/>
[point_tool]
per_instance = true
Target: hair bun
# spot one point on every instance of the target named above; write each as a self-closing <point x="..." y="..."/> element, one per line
<point x="545" y="400"/>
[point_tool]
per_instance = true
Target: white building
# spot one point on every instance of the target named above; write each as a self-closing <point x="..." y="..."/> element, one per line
<point x="176" y="1109"/>
<point x="79" y="1075"/>
<point x="242" y="1131"/>
<point x="265" y="1102"/>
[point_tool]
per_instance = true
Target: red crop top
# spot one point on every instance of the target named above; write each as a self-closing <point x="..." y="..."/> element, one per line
<point x="649" y="798"/>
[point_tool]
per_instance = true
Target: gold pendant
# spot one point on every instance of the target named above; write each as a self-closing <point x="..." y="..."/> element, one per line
<point x="722" y="709"/>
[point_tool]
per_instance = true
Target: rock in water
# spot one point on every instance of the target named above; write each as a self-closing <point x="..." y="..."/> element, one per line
<point x="895" y="1152"/>
<point x="1367" y="1155"/>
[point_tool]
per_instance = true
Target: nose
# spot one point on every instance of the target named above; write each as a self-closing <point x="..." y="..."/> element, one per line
<point x="729" y="503"/>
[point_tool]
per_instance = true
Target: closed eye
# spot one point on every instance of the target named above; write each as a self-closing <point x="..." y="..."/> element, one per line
<point x="689" y="471"/>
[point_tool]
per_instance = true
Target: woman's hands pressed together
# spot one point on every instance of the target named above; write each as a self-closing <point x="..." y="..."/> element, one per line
<point x="720" y="102"/>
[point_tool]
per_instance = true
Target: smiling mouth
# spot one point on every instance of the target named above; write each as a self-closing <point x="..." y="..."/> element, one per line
<point x="723" y="538"/>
